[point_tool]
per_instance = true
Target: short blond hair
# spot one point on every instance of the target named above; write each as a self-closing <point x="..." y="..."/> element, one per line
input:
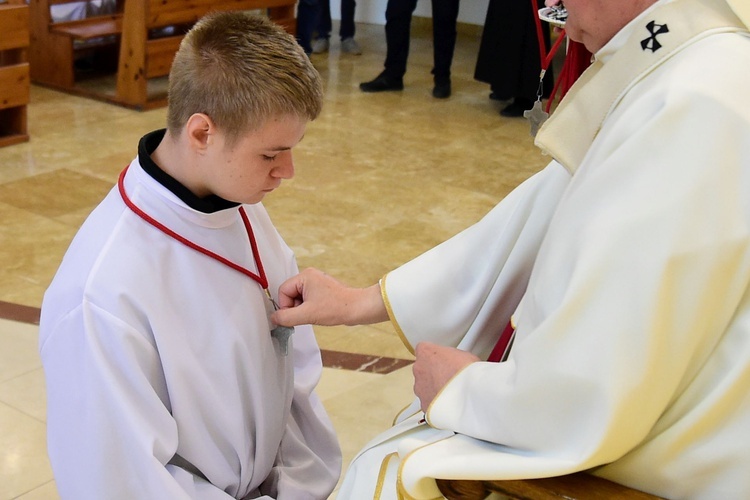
<point x="241" y="70"/>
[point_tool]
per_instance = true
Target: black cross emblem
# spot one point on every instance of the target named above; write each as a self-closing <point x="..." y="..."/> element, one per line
<point x="651" y="43"/>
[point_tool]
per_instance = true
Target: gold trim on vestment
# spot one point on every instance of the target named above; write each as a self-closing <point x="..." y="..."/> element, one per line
<point x="381" y="475"/>
<point x="427" y="412"/>
<point x="398" y="414"/>
<point x="392" y="316"/>
<point x="402" y="493"/>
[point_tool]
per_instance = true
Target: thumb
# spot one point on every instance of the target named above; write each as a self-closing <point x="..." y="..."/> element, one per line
<point x="290" y="316"/>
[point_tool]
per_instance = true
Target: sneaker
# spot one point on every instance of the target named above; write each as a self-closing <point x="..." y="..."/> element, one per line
<point x="382" y="83"/>
<point x="320" y="45"/>
<point x="349" y="46"/>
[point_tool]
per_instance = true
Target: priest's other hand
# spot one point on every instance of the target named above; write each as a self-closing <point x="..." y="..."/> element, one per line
<point x="313" y="297"/>
<point x="434" y="367"/>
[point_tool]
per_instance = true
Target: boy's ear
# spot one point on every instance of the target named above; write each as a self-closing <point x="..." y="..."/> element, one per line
<point x="200" y="131"/>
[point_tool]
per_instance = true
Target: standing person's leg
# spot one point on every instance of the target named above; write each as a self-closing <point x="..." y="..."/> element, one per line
<point x="346" y="31"/>
<point x="397" y="32"/>
<point x="444" y="19"/>
<point x="307" y="20"/>
<point x="322" y="42"/>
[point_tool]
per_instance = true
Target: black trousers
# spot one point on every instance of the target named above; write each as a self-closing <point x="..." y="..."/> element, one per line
<point x="346" y="28"/>
<point x="398" y="15"/>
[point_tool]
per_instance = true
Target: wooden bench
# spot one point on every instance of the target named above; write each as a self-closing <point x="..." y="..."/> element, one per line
<point x="14" y="72"/>
<point x="136" y="43"/>
<point x="145" y="55"/>
<point x="57" y="46"/>
<point x="571" y="487"/>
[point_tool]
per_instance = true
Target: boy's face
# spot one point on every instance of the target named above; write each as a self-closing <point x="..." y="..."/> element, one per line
<point x="256" y="163"/>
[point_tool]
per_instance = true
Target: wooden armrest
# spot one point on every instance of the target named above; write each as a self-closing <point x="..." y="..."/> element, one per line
<point x="92" y="27"/>
<point x="570" y="487"/>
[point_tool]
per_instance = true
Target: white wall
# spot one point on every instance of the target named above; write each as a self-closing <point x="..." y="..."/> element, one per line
<point x="373" y="11"/>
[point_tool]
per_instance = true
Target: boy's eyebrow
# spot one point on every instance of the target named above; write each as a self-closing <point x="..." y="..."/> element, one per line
<point x="284" y="148"/>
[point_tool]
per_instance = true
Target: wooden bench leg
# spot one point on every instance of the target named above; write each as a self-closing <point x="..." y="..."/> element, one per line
<point x="52" y="63"/>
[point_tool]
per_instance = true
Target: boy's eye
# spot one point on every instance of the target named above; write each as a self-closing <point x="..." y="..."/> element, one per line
<point x="269" y="158"/>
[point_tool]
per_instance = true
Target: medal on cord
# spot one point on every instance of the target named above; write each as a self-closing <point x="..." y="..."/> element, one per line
<point x="280" y="333"/>
<point x="555" y="15"/>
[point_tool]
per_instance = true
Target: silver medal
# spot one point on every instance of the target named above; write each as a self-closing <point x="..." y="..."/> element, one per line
<point x="280" y="333"/>
<point x="536" y="116"/>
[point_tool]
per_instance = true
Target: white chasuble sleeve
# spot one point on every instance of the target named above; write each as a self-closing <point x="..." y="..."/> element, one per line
<point x="632" y="336"/>
<point x="463" y="292"/>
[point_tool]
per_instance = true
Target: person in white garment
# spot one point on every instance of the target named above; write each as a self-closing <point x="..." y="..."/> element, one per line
<point x="620" y="273"/>
<point x="165" y="377"/>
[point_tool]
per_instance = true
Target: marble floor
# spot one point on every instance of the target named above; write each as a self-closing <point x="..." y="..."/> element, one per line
<point x="380" y="179"/>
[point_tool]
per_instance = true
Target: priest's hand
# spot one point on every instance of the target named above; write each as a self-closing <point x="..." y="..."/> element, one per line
<point x="313" y="297"/>
<point x="434" y="367"/>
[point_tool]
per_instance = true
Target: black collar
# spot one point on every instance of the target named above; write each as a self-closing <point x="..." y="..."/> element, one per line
<point x="208" y="204"/>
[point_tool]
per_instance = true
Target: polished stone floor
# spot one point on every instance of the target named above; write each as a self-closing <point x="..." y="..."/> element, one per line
<point x="380" y="179"/>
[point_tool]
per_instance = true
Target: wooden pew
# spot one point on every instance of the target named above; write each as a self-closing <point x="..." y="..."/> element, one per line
<point x="14" y="72"/>
<point x="145" y="55"/>
<point x="135" y="44"/>
<point x="56" y="45"/>
<point x="576" y="486"/>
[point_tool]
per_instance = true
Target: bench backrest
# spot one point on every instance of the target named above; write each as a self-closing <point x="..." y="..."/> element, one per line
<point x="51" y="50"/>
<point x="146" y="51"/>
<point x="162" y="13"/>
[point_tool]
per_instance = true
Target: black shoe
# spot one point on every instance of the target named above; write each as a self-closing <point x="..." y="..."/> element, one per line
<point x="382" y="83"/>
<point x="517" y="107"/>
<point x="442" y="90"/>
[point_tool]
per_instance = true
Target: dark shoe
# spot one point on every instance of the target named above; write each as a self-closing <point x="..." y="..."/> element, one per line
<point x="517" y="107"/>
<point x="382" y="83"/>
<point x="497" y="97"/>
<point x="442" y="90"/>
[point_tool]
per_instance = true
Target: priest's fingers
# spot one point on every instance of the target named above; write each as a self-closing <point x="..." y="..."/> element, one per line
<point x="434" y="367"/>
<point x="314" y="297"/>
<point x="290" y="291"/>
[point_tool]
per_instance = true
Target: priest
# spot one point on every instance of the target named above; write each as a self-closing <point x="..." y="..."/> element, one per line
<point x="598" y="318"/>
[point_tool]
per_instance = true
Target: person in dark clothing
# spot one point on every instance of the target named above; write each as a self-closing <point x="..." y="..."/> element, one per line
<point x="346" y="30"/>
<point x="398" y="15"/>
<point x="308" y="13"/>
<point x="509" y="58"/>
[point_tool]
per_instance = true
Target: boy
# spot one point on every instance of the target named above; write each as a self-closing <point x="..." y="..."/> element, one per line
<point x="165" y="377"/>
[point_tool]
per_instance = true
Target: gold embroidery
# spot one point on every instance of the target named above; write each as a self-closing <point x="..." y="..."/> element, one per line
<point x="392" y="317"/>
<point x="402" y="493"/>
<point x="381" y="475"/>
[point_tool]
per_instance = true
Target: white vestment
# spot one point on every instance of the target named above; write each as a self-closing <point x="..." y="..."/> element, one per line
<point x="627" y="276"/>
<point x="152" y="349"/>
